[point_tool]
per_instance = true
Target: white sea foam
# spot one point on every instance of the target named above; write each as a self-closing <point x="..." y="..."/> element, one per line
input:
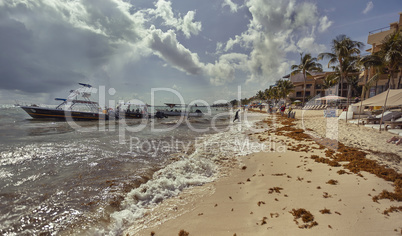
<point x="197" y="169"/>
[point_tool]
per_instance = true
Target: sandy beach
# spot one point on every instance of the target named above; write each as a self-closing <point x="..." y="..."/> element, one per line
<point x="302" y="184"/>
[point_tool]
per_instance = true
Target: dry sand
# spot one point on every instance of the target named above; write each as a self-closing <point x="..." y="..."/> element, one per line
<point x="259" y="196"/>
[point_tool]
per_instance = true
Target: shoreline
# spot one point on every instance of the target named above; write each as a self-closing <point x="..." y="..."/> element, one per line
<point x="272" y="189"/>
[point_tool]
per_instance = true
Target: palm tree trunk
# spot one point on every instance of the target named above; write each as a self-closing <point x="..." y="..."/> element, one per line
<point x="304" y="88"/>
<point x="399" y="82"/>
<point x="389" y="80"/>
<point x="361" y="103"/>
<point x="365" y="83"/>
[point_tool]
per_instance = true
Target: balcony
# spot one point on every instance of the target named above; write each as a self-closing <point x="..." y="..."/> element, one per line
<point x="380" y="30"/>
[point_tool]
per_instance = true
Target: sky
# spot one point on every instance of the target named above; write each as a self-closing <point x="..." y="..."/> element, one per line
<point x="205" y="50"/>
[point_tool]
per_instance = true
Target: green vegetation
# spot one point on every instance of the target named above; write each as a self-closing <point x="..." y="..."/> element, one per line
<point x="346" y="64"/>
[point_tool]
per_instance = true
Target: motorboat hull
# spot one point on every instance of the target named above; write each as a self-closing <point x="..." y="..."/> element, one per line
<point x="50" y="113"/>
<point x="132" y="115"/>
<point x="178" y="113"/>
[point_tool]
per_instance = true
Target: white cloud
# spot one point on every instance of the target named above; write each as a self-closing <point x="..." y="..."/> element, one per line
<point x="233" y="6"/>
<point x="63" y="42"/>
<point x="175" y="87"/>
<point x="308" y="44"/>
<point x="166" y="46"/>
<point x="325" y="23"/>
<point x="189" y="27"/>
<point x="105" y="39"/>
<point x="368" y="8"/>
<point x="186" y="25"/>
<point x="223" y="71"/>
<point x="278" y="28"/>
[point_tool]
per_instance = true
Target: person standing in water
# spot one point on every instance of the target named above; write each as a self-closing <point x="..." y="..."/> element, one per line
<point x="236" y="116"/>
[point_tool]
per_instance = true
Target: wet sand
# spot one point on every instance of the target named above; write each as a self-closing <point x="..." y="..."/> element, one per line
<point x="304" y="189"/>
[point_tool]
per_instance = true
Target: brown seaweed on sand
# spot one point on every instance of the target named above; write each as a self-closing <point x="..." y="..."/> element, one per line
<point x="341" y="172"/>
<point x="274" y="214"/>
<point x="326" y="195"/>
<point x="325" y="211"/>
<point x="183" y="233"/>
<point x="356" y="158"/>
<point x="280" y="174"/>
<point x="325" y="160"/>
<point x="332" y="182"/>
<point x="306" y="216"/>
<point x="263" y="221"/>
<point x="392" y="209"/>
<point x="275" y="189"/>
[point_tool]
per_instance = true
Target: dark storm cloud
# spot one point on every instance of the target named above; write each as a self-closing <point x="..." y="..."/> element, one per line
<point x="46" y="53"/>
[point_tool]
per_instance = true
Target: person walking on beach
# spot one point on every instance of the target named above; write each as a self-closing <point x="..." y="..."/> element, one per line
<point x="236" y="116"/>
<point x="282" y="110"/>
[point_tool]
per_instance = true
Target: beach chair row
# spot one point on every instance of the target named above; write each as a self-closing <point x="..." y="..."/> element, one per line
<point x="315" y="107"/>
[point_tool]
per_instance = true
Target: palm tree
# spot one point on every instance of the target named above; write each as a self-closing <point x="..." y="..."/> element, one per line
<point x="350" y="70"/>
<point x="285" y="87"/>
<point x="330" y="81"/>
<point x="260" y="95"/>
<point x="391" y="52"/>
<point x="371" y="61"/>
<point x="273" y="93"/>
<point x="342" y="47"/>
<point x="308" y="65"/>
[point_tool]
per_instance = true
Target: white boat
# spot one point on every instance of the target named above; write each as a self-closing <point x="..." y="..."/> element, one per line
<point x="70" y="108"/>
<point x="181" y="110"/>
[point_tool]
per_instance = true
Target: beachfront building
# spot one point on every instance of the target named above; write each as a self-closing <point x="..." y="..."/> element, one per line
<point x="375" y="39"/>
<point x="314" y="86"/>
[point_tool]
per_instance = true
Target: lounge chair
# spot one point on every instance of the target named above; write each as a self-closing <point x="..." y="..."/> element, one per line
<point x="388" y="115"/>
<point x="393" y="124"/>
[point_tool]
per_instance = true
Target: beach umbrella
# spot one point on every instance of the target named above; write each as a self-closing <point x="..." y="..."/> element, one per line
<point x="297" y="101"/>
<point x="331" y="97"/>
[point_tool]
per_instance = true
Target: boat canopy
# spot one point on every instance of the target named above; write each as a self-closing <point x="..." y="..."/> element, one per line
<point x="60" y="99"/>
<point x="75" y="101"/>
<point x="85" y="85"/>
<point x="83" y="101"/>
<point x="171" y="105"/>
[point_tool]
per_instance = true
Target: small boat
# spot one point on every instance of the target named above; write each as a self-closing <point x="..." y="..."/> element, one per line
<point x="132" y="111"/>
<point x="181" y="110"/>
<point x="70" y="108"/>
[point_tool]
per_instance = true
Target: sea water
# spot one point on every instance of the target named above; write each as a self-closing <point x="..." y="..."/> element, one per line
<point x="56" y="178"/>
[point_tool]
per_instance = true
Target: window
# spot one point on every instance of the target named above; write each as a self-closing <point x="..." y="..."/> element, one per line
<point x="307" y="93"/>
<point x="298" y="94"/>
<point x="308" y="86"/>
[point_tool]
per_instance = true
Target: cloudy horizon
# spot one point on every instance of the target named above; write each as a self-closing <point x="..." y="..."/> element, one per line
<point x="201" y="49"/>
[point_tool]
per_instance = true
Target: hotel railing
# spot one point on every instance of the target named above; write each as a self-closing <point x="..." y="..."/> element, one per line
<point x="380" y="30"/>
